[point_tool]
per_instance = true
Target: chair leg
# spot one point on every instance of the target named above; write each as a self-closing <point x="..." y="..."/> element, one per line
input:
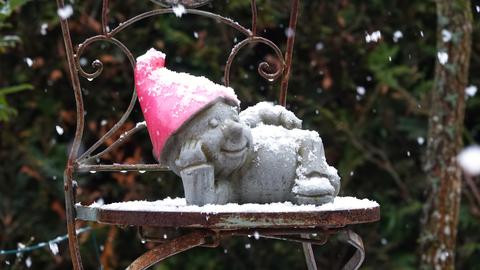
<point x="168" y="249"/>
<point x="309" y="256"/>
<point x="356" y="241"/>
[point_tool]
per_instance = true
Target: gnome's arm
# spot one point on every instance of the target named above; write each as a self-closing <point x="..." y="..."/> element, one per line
<point x="197" y="175"/>
<point x="269" y="114"/>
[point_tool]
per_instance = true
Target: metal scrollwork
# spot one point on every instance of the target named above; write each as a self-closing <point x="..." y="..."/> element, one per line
<point x="264" y="68"/>
<point x="99" y="65"/>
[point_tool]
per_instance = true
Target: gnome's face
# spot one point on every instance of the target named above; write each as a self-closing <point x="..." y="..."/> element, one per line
<point x="226" y="142"/>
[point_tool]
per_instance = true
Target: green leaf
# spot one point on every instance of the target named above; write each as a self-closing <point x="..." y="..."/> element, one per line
<point x="15" y="89"/>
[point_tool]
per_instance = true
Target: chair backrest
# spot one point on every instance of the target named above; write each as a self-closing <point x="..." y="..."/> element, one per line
<point x="269" y="71"/>
<point x="78" y="163"/>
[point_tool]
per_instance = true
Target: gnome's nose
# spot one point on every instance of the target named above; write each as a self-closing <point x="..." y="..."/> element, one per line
<point x="233" y="131"/>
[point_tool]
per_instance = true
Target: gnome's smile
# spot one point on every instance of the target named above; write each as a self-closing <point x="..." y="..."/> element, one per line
<point x="225" y="141"/>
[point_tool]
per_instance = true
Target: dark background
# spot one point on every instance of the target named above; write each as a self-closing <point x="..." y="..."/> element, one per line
<point x="375" y="140"/>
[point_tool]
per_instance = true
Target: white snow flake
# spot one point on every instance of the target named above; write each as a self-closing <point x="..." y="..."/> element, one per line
<point x="469" y="160"/>
<point x="28" y="262"/>
<point x="43" y="29"/>
<point x="59" y="129"/>
<point x="65" y="12"/>
<point x="420" y="140"/>
<point x="397" y="35"/>
<point x="53" y="247"/>
<point x="446" y="35"/>
<point x="373" y="37"/>
<point x="319" y="46"/>
<point x="442" y="57"/>
<point x="29" y="61"/>
<point x="361" y="90"/>
<point x="289" y="32"/>
<point x="179" y="10"/>
<point x="471" y="90"/>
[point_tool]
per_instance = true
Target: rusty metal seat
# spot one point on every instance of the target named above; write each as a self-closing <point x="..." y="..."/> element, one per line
<point x="200" y="227"/>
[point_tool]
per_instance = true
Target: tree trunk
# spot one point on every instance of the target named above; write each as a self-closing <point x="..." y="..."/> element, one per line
<point x="439" y="223"/>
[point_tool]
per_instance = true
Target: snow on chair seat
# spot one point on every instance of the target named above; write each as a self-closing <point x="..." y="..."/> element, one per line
<point x="176" y="213"/>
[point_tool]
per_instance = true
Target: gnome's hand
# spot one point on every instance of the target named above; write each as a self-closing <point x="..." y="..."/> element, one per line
<point x="191" y="154"/>
<point x="269" y="114"/>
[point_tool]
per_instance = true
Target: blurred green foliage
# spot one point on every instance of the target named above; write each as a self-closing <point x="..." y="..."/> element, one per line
<point x="376" y="140"/>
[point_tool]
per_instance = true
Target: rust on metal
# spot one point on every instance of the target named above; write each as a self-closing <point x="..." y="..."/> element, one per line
<point x="291" y="33"/>
<point x="241" y="220"/>
<point x="358" y="257"/>
<point x="168" y="249"/>
<point x="253" y="5"/>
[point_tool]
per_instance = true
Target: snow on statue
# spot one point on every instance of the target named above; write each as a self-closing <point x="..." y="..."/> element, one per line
<point x="259" y="155"/>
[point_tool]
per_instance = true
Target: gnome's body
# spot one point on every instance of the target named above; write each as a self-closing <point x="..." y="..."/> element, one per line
<point x="257" y="156"/>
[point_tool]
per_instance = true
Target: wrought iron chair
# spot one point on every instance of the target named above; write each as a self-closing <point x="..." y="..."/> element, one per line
<point x="202" y="229"/>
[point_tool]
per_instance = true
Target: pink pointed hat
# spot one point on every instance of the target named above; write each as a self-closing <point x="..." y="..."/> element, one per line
<point x="169" y="99"/>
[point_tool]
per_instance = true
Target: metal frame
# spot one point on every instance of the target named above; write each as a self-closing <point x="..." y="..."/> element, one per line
<point x="79" y="163"/>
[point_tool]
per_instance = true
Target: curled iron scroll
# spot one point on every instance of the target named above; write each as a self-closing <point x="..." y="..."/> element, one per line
<point x="264" y="68"/>
<point x="99" y="67"/>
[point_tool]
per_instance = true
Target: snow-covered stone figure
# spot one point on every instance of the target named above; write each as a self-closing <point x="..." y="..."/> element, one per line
<point x="257" y="156"/>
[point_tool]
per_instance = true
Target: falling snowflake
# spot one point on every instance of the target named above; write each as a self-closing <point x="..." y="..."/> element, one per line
<point x="442" y="57"/>
<point x="289" y="32"/>
<point x="53" y="247"/>
<point x="420" y="140"/>
<point x="469" y="160"/>
<point x="446" y="35"/>
<point x="373" y="37"/>
<point x="43" y="29"/>
<point x="397" y="35"/>
<point x="361" y="90"/>
<point x="471" y="90"/>
<point x="179" y="10"/>
<point x="59" y="130"/>
<point x="29" y="61"/>
<point x="65" y="12"/>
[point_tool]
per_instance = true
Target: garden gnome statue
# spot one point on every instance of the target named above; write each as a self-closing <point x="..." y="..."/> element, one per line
<point x="259" y="155"/>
